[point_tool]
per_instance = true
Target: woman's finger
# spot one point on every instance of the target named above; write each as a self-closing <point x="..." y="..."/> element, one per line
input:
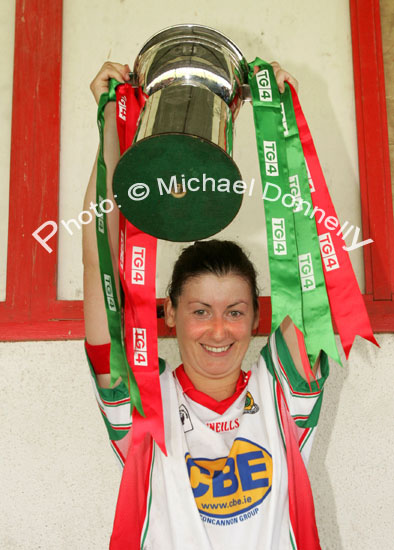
<point x="100" y="83"/>
<point x="283" y="76"/>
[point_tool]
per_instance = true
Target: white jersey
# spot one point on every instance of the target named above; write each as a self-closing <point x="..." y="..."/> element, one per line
<point x="224" y="483"/>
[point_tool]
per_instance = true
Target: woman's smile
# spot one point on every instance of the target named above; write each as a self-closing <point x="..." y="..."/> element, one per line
<point x="214" y="319"/>
<point x="216" y="350"/>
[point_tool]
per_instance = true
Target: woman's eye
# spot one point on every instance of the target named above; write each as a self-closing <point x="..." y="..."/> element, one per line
<point x="235" y="313"/>
<point x="199" y="312"/>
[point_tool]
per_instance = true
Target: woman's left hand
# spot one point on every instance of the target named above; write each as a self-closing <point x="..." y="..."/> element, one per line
<point x="283" y="76"/>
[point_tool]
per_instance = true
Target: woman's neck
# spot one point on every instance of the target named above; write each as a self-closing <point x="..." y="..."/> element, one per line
<point x="218" y="389"/>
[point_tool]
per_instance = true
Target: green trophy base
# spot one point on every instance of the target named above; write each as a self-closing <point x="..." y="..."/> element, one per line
<point x="188" y="187"/>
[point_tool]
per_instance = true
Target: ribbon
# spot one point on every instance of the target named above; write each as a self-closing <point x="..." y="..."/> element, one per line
<point x="301" y="507"/>
<point x="132" y="505"/>
<point x="118" y="359"/>
<point x="315" y="305"/>
<point x="297" y="281"/>
<point x="137" y="268"/>
<point x="282" y="248"/>
<point x="346" y="302"/>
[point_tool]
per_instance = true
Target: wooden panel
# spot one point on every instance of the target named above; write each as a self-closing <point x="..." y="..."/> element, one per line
<point x="31" y="271"/>
<point x="374" y="163"/>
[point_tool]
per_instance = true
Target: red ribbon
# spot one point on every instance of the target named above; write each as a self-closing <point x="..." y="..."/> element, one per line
<point x="137" y="268"/>
<point x="301" y="507"/>
<point x="346" y="302"/>
<point x="132" y="503"/>
<point x="304" y="358"/>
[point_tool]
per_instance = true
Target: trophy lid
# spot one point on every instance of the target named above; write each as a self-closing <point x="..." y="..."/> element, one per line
<point x="191" y="32"/>
<point x="194" y="55"/>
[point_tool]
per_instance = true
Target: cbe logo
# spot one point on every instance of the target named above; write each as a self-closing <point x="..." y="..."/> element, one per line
<point x="264" y="85"/>
<point x="229" y="486"/>
<point x="139" y="347"/>
<point x="279" y="236"/>
<point x="329" y="257"/>
<point x="138" y="265"/>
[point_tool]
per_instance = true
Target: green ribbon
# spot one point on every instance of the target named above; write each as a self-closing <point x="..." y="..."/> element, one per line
<point x="118" y="360"/>
<point x="275" y="121"/>
<point x="282" y="249"/>
<point x="319" y="334"/>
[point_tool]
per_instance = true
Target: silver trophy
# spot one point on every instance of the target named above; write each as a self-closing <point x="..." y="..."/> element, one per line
<point x="196" y="80"/>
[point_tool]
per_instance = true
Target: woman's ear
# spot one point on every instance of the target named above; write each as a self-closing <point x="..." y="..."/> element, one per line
<point x="256" y="319"/>
<point x="169" y="313"/>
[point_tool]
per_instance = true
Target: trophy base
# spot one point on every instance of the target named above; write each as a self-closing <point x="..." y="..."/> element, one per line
<point x="178" y="187"/>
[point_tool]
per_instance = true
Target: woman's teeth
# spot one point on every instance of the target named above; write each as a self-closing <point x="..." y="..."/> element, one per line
<point x="216" y="350"/>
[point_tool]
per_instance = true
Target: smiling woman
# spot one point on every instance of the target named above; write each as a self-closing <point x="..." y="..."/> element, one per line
<point x="214" y="311"/>
<point x="236" y="437"/>
<point x="226" y="463"/>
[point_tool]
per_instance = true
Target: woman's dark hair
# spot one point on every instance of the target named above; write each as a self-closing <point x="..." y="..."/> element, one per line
<point x="216" y="257"/>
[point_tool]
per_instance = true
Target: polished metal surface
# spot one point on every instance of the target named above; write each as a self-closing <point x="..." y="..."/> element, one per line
<point x="194" y="77"/>
<point x="192" y="55"/>
<point x="187" y="110"/>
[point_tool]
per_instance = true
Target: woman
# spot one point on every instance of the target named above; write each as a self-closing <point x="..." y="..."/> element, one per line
<point x="234" y="474"/>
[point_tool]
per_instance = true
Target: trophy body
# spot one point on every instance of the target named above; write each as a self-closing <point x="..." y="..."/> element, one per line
<point x="193" y="78"/>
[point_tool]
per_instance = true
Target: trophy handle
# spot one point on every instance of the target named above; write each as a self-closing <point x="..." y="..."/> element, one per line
<point x="133" y="82"/>
<point x="245" y="93"/>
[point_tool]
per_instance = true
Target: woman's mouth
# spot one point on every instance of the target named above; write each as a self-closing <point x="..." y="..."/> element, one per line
<point x="216" y="350"/>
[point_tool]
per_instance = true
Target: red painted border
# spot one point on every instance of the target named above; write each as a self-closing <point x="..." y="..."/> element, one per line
<point x="373" y="149"/>
<point x="31" y="310"/>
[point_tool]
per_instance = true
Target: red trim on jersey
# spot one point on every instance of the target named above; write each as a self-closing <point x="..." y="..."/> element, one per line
<point x="307" y="394"/>
<point x="115" y="403"/>
<point x="205" y="400"/>
<point x="303" y="436"/>
<point x="120" y="454"/>
<point x="99" y="357"/>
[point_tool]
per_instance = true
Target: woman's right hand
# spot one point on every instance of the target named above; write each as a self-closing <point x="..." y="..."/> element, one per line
<point x="99" y="84"/>
<point x="96" y="324"/>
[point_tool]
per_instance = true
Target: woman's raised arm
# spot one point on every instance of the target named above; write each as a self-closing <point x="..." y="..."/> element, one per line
<point x="96" y="327"/>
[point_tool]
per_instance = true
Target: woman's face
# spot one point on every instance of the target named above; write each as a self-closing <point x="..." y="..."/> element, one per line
<point x="214" y="320"/>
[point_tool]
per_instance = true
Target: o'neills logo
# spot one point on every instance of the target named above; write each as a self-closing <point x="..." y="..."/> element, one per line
<point x="223" y="426"/>
<point x="233" y="486"/>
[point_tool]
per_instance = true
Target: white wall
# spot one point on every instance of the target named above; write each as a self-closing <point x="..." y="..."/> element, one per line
<point x="311" y="39"/>
<point x="7" y="18"/>
<point x="59" y="477"/>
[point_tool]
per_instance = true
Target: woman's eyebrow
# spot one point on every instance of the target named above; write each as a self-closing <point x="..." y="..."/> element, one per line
<point x="237" y="303"/>
<point x="209" y="305"/>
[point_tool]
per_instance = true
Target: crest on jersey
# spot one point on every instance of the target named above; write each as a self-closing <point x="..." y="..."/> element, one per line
<point x="250" y="406"/>
<point x="185" y="419"/>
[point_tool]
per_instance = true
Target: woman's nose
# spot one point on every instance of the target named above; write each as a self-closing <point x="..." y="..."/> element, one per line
<point x="218" y="328"/>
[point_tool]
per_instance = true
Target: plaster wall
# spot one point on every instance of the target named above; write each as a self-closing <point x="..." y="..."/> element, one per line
<point x="59" y="477"/>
